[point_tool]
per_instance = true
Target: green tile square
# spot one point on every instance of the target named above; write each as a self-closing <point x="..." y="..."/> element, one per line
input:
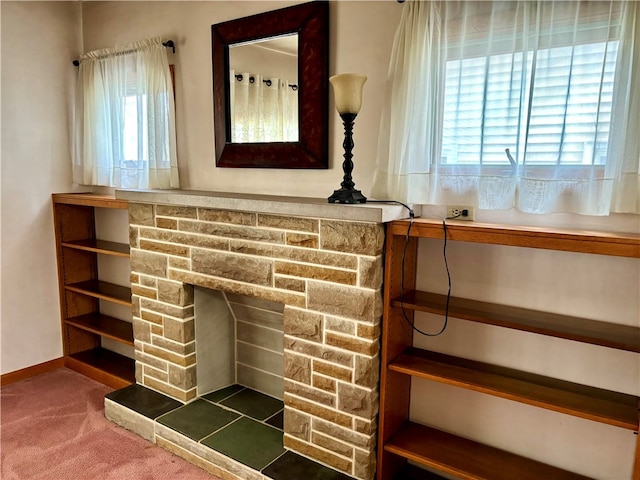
<point x="254" y="404"/>
<point x="198" y="419"/>
<point x="249" y="442"/>
<point x="223" y="393"/>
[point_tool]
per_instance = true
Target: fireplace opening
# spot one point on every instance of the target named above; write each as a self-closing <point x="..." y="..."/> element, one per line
<point x="239" y="340"/>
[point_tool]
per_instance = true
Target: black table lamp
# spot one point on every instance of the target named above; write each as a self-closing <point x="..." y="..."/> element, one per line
<point x="347" y="91"/>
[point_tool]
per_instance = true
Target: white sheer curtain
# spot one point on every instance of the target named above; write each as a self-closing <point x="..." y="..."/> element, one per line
<point x="125" y="120"/>
<point x="263" y="109"/>
<point x="554" y="82"/>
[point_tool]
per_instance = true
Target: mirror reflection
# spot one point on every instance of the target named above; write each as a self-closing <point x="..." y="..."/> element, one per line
<point x="263" y="86"/>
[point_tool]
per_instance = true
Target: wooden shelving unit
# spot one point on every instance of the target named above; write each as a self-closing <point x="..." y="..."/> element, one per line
<point x="83" y="325"/>
<point x="400" y="440"/>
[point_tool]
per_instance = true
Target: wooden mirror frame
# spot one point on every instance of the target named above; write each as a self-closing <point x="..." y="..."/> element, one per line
<point x="311" y="22"/>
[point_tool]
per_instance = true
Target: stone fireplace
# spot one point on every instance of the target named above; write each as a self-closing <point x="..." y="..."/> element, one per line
<point x="322" y="262"/>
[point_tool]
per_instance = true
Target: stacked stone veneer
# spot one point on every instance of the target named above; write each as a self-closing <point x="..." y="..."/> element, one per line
<point x="327" y="273"/>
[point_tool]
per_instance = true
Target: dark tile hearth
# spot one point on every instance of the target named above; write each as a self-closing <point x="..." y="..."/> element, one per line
<point x="144" y="401"/>
<point x="241" y="423"/>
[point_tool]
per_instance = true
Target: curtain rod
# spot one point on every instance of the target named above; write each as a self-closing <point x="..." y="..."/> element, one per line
<point x="169" y="44"/>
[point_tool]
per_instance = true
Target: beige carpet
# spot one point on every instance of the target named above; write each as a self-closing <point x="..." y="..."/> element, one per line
<point x="53" y="428"/>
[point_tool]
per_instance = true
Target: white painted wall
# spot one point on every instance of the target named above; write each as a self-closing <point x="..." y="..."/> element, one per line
<point x="39" y="41"/>
<point x="360" y="41"/>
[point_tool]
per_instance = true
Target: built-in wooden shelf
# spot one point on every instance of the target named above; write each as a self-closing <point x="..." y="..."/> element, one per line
<point x="105" y="326"/>
<point x="100" y="246"/>
<point x="409" y="472"/>
<point x="623" y="337"/>
<point x="90" y="200"/>
<point x="582" y="401"/>
<point x="400" y="440"/>
<point x="85" y="330"/>
<point x="106" y="366"/>
<point x="581" y="241"/>
<point x="103" y="290"/>
<point x="467" y="459"/>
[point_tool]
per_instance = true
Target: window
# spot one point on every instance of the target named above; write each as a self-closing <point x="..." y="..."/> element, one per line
<point x="514" y="104"/>
<point x="564" y="119"/>
<point x="125" y="133"/>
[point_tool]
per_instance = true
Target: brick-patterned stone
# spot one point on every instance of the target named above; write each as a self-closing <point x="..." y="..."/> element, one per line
<point x="316" y="257"/>
<point x="332" y="444"/>
<point x="176" y="347"/>
<point x="287" y="283"/>
<point x="333" y="371"/>
<point x="370" y="271"/>
<point x="297" y="424"/>
<point x="235" y="267"/>
<point x="297" y="367"/>
<point x="155" y="373"/>
<point x="315" y="410"/>
<point x="288" y="223"/>
<point x="176" y="211"/>
<point x="181" y="263"/>
<point x="352" y="237"/>
<point x="341" y="325"/>
<point x="140" y="214"/>
<point x="357" y="401"/>
<point x="366" y="372"/>
<point x="337" y="462"/>
<point x="358" y="439"/>
<point x="141" y="330"/>
<point x="310" y="393"/>
<point x="318" y="351"/>
<point x="264" y="293"/>
<point x="183" y="378"/>
<point x="169" y="390"/>
<point x="364" y="347"/>
<point x="302" y="240"/>
<point x="344" y="301"/>
<point x="134" y="233"/>
<point x="166" y="309"/>
<point x="168" y="223"/>
<point x="144" y="292"/>
<point x="182" y="238"/>
<point x="151" y="317"/>
<point x="316" y="273"/>
<point x="134" y="278"/>
<point x="145" y="281"/>
<point x="148" y="263"/>
<point x="368" y="331"/>
<point x="364" y="464"/>
<point x="325" y="383"/>
<point x="170" y="357"/>
<point x="168" y="248"/>
<point x="366" y="427"/>
<point x="179" y="331"/>
<point x="153" y="361"/>
<point x="303" y="324"/>
<point x="227" y="216"/>
<point x="231" y="231"/>
<point x="175" y="293"/>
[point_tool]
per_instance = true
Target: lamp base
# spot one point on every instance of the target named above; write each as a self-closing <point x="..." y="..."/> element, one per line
<point x="345" y="195"/>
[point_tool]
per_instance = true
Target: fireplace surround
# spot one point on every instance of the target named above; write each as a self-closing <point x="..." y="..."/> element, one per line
<point x="323" y="262"/>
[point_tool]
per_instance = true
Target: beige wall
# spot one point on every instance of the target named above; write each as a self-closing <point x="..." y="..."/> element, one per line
<point x="360" y="41"/>
<point x="39" y="40"/>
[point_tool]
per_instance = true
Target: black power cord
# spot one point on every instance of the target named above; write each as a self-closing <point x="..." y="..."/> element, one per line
<point x="446" y="264"/>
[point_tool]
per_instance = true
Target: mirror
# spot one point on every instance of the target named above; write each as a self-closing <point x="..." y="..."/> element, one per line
<point x="306" y="26"/>
<point x="264" y="105"/>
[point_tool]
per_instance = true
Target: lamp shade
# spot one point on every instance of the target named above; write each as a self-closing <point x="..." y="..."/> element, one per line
<point x="347" y="91"/>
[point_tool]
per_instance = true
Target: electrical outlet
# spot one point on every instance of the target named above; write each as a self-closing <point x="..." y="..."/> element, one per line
<point x="460" y="212"/>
